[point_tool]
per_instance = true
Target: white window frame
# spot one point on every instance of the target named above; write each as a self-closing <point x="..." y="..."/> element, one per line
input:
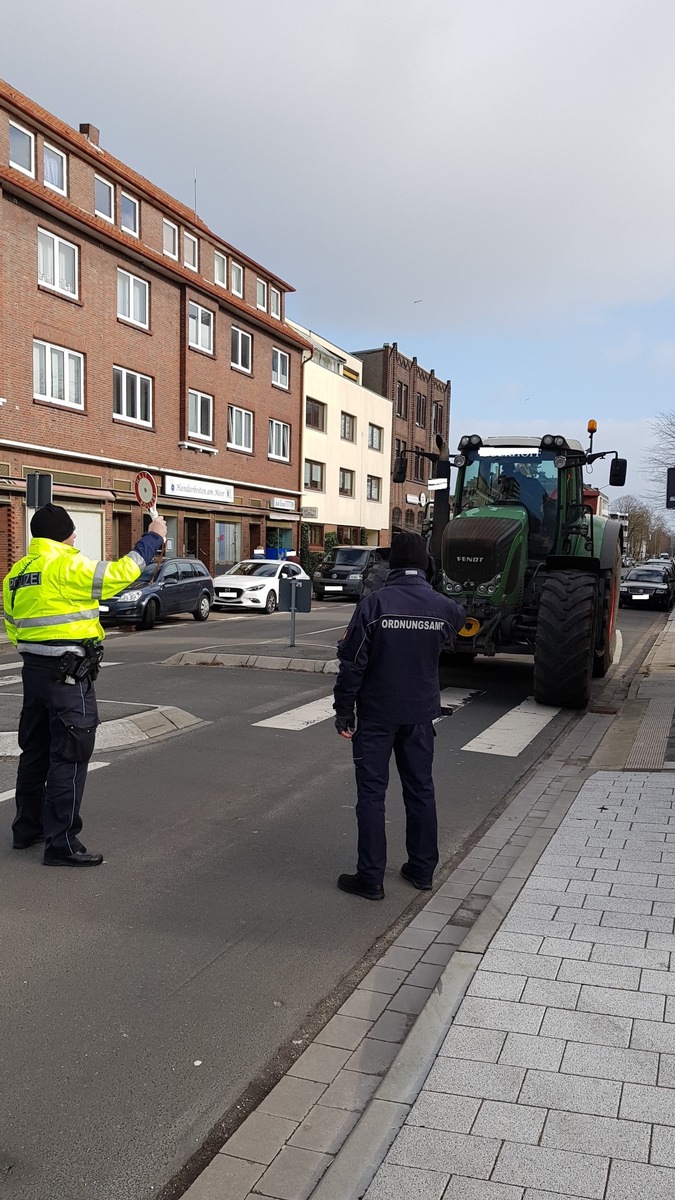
<point x="134" y="282"/>
<point x="127" y="228"/>
<point x="380" y="435"/>
<point x="261" y="287"/>
<point x="111" y="186"/>
<point x="67" y="401"/>
<point x="275" y="303"/>
<point x="279" y="431"/>
<point x="370" y="479"/>
<point x="57" y="243"/>
<point x="194" y="433"/>
<point x="233" y="410"/>
<point x="174" y="229"/>
<point x="31" y="139"/>
<point x="138" y="376"/>
<point x="278" y="374"/>
<point x="47" y="146"/>
<point x="236" y="270"/>
<point x="198" y="345"/>
<point x="190" y="239"/>
<point x="236" y="362"/>
<point x="219" y="257"/>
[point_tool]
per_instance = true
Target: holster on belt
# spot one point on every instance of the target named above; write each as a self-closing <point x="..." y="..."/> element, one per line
<point x="81" y="668"/>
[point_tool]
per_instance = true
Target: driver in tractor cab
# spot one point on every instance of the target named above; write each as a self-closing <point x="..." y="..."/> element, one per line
<point x="520" y="483"/>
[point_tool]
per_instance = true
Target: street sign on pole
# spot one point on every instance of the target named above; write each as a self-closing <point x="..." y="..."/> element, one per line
<point x="39" y="488"/>
<point x="670" y="489"/>
<point x="145" y="490"/>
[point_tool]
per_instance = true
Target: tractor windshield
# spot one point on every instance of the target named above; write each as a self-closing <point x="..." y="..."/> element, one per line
<point x="515" y="475"/>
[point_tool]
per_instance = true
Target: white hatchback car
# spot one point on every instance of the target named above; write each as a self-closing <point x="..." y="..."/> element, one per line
<point x="254" y="584"/>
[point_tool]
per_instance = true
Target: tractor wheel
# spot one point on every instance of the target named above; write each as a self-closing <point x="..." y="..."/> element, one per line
<point x="564" y="647"/>
<point x="607" y="609"/>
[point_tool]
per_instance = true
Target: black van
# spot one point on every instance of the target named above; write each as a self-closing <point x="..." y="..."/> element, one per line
<point x="342" y="571"/>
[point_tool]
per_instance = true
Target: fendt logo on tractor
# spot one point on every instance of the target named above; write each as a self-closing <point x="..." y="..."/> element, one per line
<point x="547" y="568"/>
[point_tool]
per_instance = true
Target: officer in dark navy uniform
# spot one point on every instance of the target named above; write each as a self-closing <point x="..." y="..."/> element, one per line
<point x="386" y="698"/>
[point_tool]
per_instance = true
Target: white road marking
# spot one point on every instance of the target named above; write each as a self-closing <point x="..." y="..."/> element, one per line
<point x="452" y="697"/>
<point x="7" y="679"/>
<point x="10" y="667"/>
<point x="320" y="710"/>
<point x="93" y="766"/>
<point x="514" y="731"/>
<point x="618" y="649"/>
<point x="302" y="717"/>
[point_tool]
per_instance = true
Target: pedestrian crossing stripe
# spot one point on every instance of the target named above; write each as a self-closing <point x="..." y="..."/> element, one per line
<point x="320" y="710"/>
<point x="509" y="735"/>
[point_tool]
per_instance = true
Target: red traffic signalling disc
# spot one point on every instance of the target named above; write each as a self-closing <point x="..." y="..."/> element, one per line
<point x="145" y="489"/>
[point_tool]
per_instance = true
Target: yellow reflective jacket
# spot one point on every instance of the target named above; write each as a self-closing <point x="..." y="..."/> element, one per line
<point x="52" y="594"/>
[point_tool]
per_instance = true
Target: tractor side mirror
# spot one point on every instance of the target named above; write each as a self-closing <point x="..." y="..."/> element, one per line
<point x="400" y="469"/>
<point x="617" y="472"/>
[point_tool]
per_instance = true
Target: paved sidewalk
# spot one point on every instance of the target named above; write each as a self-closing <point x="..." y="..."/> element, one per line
<point x="557" y="1077"/>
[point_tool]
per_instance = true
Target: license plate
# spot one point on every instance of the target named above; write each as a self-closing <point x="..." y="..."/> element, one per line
<point x="103" y="608"/>
<point x="641" y="596"/>
<point x="333" y="587"/>
<point x="227" y="595"/>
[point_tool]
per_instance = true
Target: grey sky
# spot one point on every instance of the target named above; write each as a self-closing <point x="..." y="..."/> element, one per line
<point x="508" y="163"/>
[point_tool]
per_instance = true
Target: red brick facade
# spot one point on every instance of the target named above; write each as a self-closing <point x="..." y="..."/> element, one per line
<point x="94" y="453"/>
<point x="421" y="409"/>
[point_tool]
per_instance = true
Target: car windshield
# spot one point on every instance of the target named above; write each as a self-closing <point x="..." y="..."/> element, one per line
<point x="146" y="576"/>
<point x="346" y="558"/>
<point x="265" y="569"/>
<point x="645" y="575"/>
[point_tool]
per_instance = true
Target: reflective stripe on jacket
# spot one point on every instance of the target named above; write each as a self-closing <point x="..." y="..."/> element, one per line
<point x="52" y="595"/>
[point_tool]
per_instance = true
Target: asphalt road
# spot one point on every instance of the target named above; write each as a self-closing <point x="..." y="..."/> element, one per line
<point x="138" y="1000"/>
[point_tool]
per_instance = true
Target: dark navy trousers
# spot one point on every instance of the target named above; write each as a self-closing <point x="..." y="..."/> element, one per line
<point x="57" y="730"/>
<point x="413" y="747"/>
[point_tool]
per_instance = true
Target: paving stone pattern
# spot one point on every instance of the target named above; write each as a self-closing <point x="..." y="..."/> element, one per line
<point x="557" y="1077"/>
<point x="287" y="1144"/>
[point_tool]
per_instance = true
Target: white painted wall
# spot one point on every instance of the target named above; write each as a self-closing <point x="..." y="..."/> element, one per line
<point x="340" y="394"/>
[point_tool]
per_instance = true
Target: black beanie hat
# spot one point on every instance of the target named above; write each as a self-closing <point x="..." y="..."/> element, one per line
<point x="52" y="521"/>
<point x="408" y="550"/>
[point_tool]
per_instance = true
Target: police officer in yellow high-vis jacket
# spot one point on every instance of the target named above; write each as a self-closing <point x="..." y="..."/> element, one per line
<point x="51" y="599"/>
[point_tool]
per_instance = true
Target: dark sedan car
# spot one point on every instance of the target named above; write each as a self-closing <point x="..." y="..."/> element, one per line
<point x="178" y="585"/>
<point x="643" y="586"/>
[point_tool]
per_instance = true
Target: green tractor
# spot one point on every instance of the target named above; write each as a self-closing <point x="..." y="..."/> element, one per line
<point x="537" y="571"/>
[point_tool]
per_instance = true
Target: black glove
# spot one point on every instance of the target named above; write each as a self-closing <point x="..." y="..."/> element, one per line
<point x="345" y="724"/>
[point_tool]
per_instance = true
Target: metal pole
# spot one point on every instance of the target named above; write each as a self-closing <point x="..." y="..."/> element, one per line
<point x="293" y="586"/>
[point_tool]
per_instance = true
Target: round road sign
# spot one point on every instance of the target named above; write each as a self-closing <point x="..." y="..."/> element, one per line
<point x="145" y="489"/>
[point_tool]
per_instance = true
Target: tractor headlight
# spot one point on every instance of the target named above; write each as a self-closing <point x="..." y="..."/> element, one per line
<point x="559" y="462"/>
<point x="547" y="441"/>
<point x="491" y="587"/>
<point x="463" y="443"/>
<point x="475" y="440"/>
<point x="452" y="586"/>
<point x="459" y="460"/>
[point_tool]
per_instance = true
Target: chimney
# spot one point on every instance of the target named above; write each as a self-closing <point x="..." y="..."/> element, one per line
<point x="90" y="132"/>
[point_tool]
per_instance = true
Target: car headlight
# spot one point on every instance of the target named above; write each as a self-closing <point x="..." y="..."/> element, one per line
<point x="255" y="587"/>
<point x="130" y="596"/>
<point x="356" y="575"/>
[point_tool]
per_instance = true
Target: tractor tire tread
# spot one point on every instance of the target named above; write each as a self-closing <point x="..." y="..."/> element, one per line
<point x="565" y="639"/>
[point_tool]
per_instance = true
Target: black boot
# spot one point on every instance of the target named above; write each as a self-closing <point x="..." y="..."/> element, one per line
<point x="356" y="886"/>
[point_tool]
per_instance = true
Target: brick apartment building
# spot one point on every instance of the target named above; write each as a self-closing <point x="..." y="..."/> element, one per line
<point x="421" y="409"/>
<point x="134" y="338"/>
